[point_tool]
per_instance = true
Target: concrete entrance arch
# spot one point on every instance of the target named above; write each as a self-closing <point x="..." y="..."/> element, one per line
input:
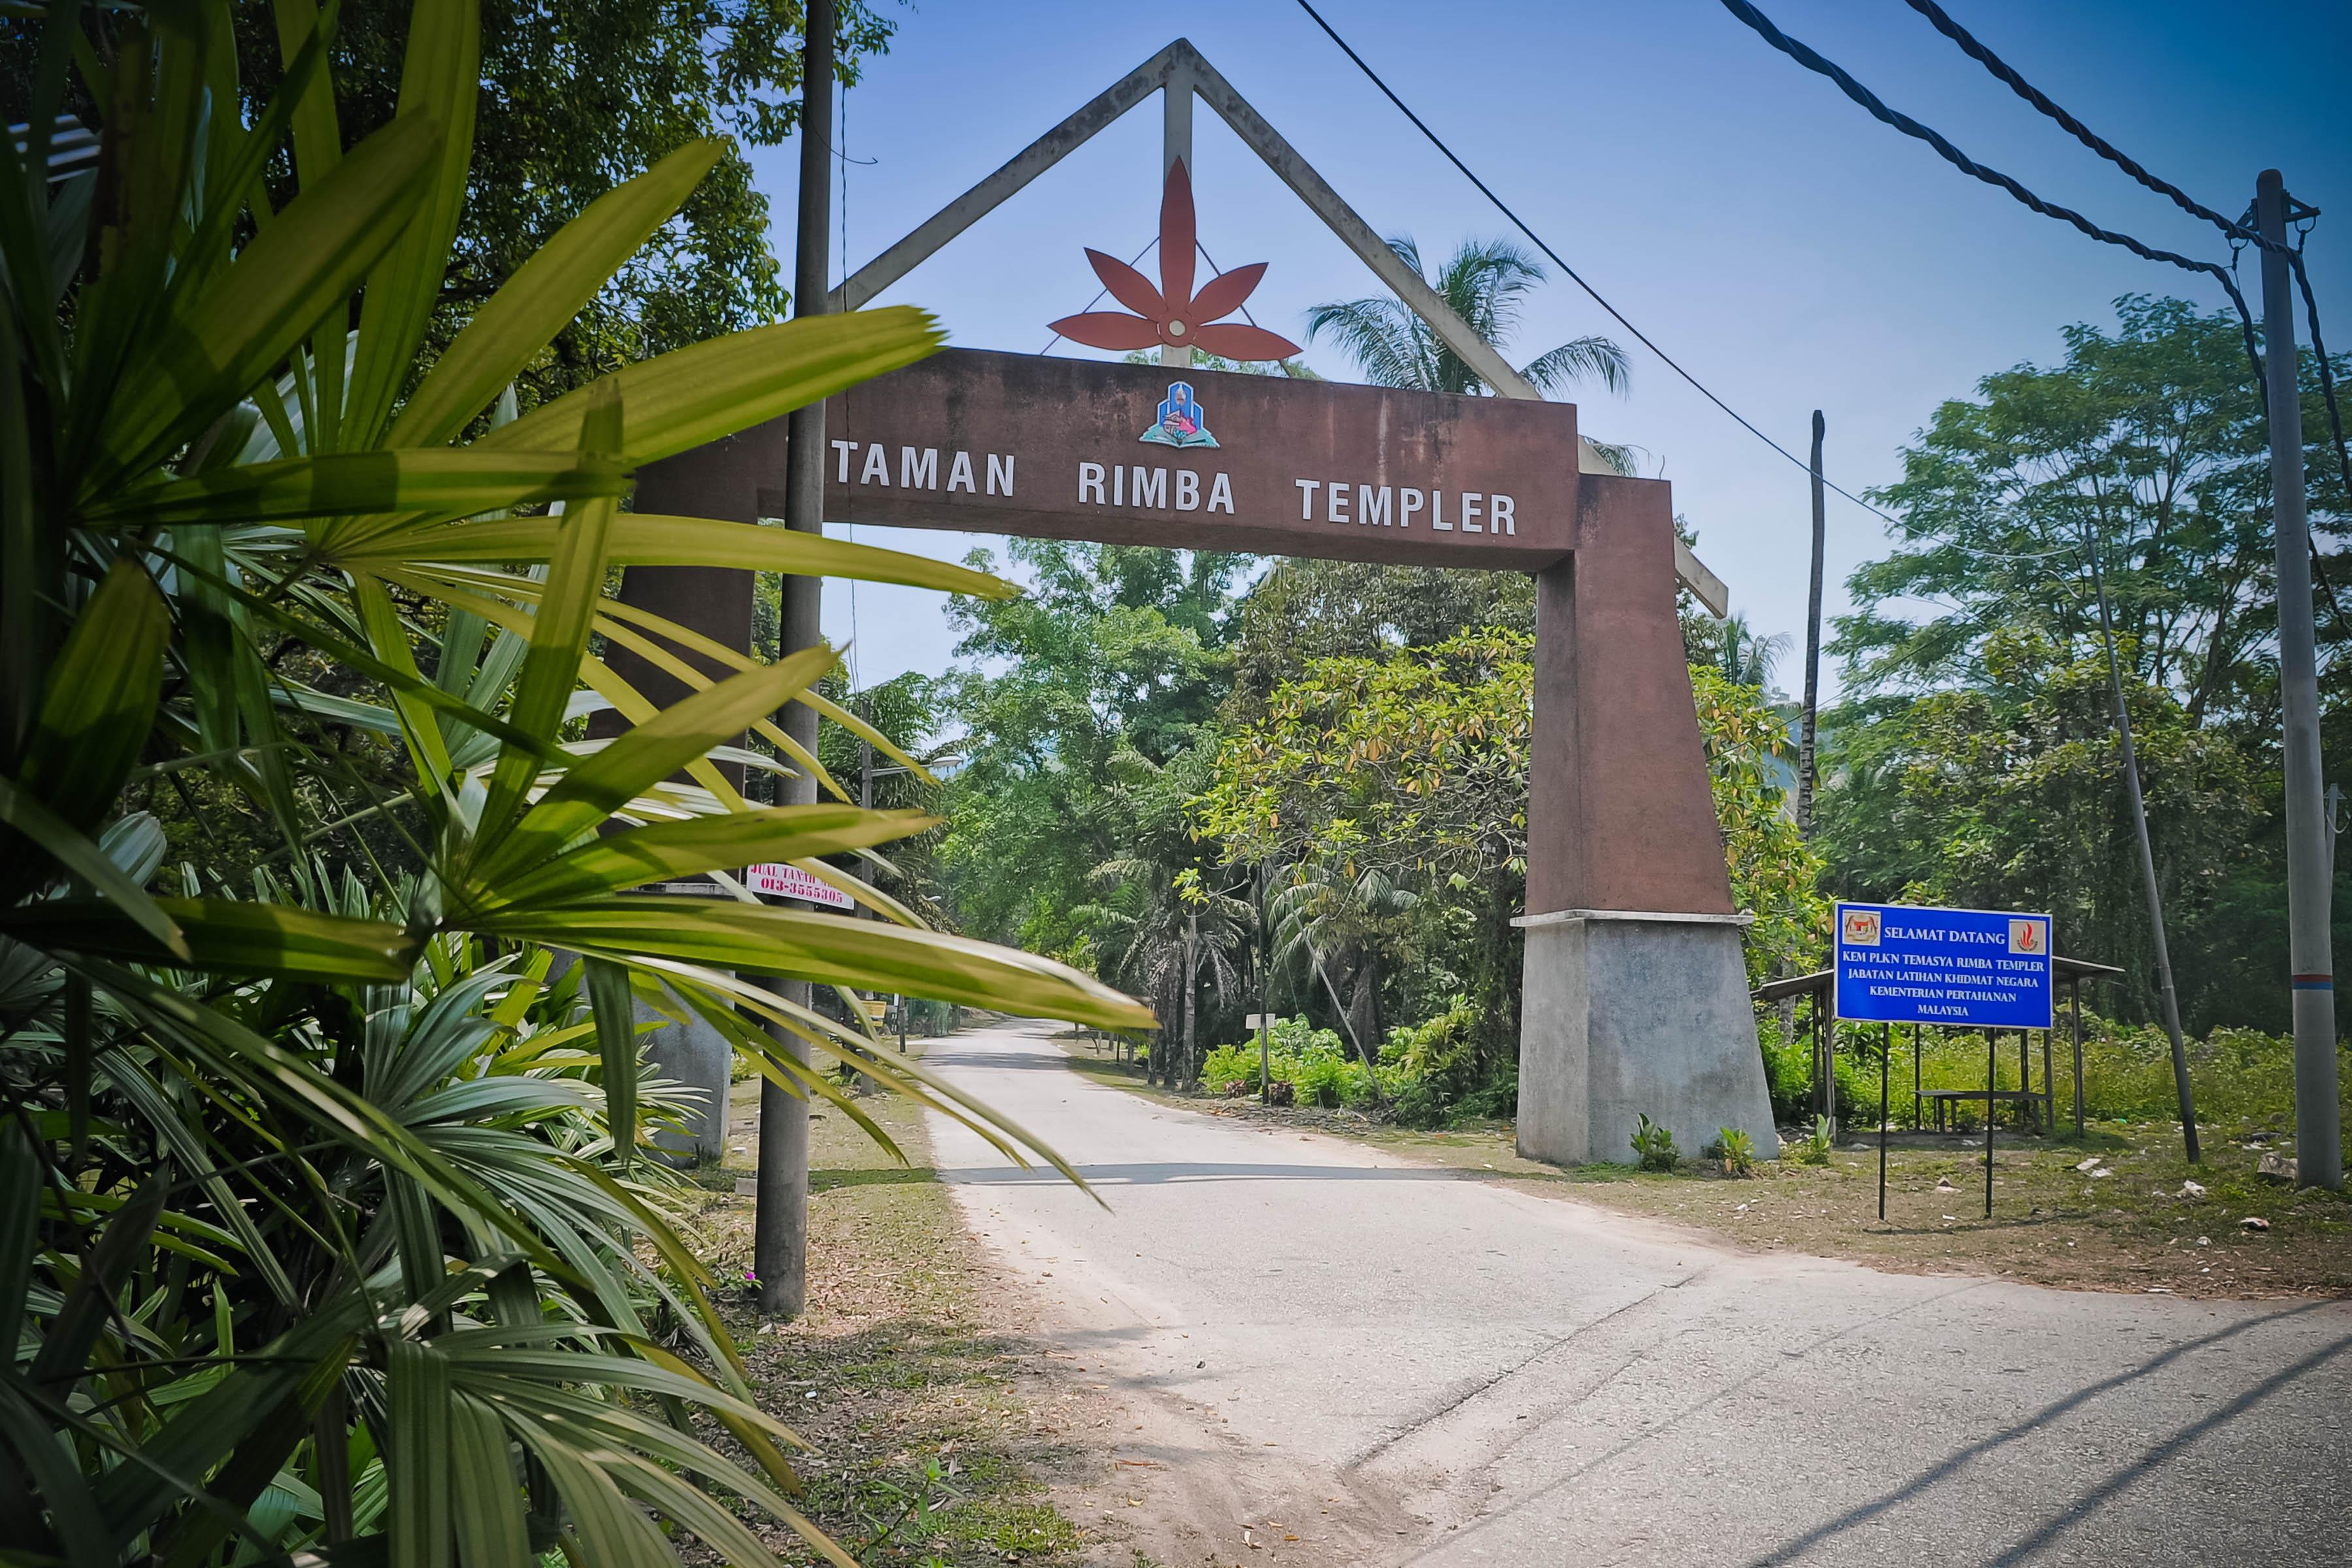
<point x="1635" y="996"/>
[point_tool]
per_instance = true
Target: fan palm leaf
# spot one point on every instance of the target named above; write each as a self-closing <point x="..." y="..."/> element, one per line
<point x="318" y="1203"/>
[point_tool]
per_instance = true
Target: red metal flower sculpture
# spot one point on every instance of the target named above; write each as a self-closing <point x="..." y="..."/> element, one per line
<point x="1172" y="313"/>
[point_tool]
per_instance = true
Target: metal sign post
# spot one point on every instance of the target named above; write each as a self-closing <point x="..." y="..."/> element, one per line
<point x="1992" y="970"/>
<point x="1885" y="1071"/>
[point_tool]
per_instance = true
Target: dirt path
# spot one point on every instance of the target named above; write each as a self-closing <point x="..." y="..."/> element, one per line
<point x="1509" y="1376"/>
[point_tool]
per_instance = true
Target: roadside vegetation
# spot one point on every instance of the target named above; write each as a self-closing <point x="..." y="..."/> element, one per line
<point x="933" y="1439"/>
<point x="1301" y="789"/>
<point x="2112" y="1211"/>
<point x="325" y="1226"/>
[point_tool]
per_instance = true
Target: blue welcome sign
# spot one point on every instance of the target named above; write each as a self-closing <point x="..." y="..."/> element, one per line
<point x="1968" y="969"/>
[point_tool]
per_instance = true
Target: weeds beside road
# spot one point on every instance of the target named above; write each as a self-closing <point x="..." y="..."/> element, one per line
<point x="932" y="1442"/>
<point x="2133" y="1228"/>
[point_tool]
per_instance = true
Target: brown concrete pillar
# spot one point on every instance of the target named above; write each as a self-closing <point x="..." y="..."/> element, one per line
<point x="1636" y="998"/>
<point x="722" y="480"/>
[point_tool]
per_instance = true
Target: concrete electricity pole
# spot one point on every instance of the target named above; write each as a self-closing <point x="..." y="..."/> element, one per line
<point x="1812" y="646"/>
<point x="780" y="1224"/>
<point x="2319" y="1150"/>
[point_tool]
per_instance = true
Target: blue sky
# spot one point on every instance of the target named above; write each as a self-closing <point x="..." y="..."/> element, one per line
<point x="1788" y="249"/>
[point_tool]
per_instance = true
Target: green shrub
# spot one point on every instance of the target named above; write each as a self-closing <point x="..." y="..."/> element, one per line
<point x="1423" y="1102"/>
<point x="1317" y="1079"/>
<point x="1653" y="1146"/>
<point x="1233" y="1064"/>
<point x="1736" y="1149"/>
<point x="1813" y="1149"/>
<point x="1427" y="1071"/>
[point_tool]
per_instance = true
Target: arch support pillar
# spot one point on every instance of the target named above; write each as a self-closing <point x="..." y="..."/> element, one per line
<point x="1635" y="999"/>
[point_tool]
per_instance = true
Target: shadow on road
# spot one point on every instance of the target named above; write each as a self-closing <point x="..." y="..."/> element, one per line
<point x="1027" y="1061"/>
<point x="2097" y="1496"/>
<point x="1161" y="1174"/>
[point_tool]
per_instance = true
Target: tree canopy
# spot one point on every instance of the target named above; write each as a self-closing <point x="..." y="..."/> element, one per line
<point x="1974" y="758"/>
<point x="576" y="96"/>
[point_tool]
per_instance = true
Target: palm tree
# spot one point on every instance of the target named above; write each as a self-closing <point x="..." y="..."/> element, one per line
<point x="1157" y="933"/>
<point x="1335" y="925"/>
<point x="1483" y="284"/>
<point x="1160" y="921"/>
<point x="1745" y="656"/>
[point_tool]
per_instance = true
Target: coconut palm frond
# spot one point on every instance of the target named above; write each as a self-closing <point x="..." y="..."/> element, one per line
<point x="1389" y="344"/>
<point x="1584" y="359"/>
<point x="1485" y="284"/>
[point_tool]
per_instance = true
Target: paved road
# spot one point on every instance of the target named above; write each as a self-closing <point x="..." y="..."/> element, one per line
<point x="1529" y="1380"/>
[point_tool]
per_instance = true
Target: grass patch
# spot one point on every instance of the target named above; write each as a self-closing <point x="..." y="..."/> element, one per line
<point x="923" y="1450"/>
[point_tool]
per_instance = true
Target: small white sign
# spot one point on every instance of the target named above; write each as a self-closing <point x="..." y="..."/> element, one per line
<point x="777" y="880"/>
<point x="1258" y="1021"/>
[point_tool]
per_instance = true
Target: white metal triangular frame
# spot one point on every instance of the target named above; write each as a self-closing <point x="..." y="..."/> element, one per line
<point x="1181" y="73"/>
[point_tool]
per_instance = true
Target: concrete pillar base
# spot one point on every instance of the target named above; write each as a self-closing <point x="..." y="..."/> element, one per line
<point x="1630" y="1015"/>
<point x="697" y="1057"/>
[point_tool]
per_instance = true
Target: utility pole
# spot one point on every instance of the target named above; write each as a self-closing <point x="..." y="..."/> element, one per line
<point x="1813" y="646"/>
<point x="780" y="1223"/>
<point x="2172" y="999"/>
<point x="2319" y="1147"/>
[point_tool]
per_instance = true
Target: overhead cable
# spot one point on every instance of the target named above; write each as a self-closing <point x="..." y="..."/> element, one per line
<point x="2239" y="232"/>
<point x="1813" y="61"/>
<point x="1574" y="277"/>
<point x="1975" y="50"/>
<point x="2326" y="376"/>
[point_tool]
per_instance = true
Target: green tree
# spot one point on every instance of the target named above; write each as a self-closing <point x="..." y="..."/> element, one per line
<point x="1744" y="656"/>
<point x="576" y="96"/>
<point x="1974" y="759"/>
<point x="1163" y="924"/>
<point x="1775" y="876"/>
<point x="1300" y="611"/>
<point x="1411" y="767"/>
<point x="1114" y="649"/>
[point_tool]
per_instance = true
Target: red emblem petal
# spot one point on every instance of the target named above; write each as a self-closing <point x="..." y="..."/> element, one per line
<point x="1236" y="341"/>
<point x="1108" y="330"/>
<point x="1176" y="241"/>
<point x="1128" y="287"/>
<point x="1223" y="294"/>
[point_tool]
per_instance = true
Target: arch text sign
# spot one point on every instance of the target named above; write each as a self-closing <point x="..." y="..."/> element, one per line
<point x="1001" y="443"/>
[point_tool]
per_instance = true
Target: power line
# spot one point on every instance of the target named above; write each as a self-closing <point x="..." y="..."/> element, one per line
<point x="2238" y="231"/>
<point x="2001" y="68"/>
<point x="2326" y="376"/>
<point x="1814" y="60"/>
<point x="1574" y="277"/>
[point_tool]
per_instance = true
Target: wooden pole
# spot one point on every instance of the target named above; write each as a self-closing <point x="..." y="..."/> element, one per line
<point x="1813" y="647"/>
<point x="2078" y="1009"/>
<point x="1992" y="1061"/>
<point x="1885" y="1071"/>
<point x="2049" y="1090"/>
<point x="2024" y="1071"/>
